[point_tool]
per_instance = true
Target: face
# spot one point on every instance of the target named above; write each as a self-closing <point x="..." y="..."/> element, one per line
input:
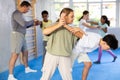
<point x="45" y="17"/>
<point x="104" y="45"/>
<point x="25" y="9"/>
<point x="102" y="20"/>
<point x="69" y="18"/>
<point x="86" y="16"/>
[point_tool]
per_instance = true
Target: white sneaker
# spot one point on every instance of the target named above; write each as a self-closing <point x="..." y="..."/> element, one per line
<point x="27" y="70"/>
<point x="11" y="77"/>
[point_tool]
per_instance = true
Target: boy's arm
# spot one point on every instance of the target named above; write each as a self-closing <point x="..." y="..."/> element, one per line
<point x="76" y="31"/>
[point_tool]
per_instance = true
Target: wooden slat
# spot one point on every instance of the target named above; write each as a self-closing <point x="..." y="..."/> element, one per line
<point x="34" y="17"/>
<point x="32" y="41"/>
<point x="30" y="35"/>
<point x="30" y="48"/>
<point x="32" y="28"/>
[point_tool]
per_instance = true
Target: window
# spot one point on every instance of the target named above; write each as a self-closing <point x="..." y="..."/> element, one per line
<point x="109" y="9"/>
<point x="96" y="8"/>
<point x="59" y="7"/>
<point x="94" y="0"/>
<point x="61" y="0"/>
<point x="78" y="9"/>
<point x="79" y="0"/>
<point x="95" y="11"/>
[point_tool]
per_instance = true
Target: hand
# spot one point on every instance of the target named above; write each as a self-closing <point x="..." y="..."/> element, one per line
<point x="62" y="19"/>
<point x="99" y="27"/>
<point x="37" y="22"/>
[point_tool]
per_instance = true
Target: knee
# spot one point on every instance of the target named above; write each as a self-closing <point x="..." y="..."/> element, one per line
<point x="88" y="65"/>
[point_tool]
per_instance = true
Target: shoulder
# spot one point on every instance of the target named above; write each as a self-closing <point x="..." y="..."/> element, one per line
<point x="106" y="25"/>
<point x="16" y="13"/>
<point x="82" y="21"/>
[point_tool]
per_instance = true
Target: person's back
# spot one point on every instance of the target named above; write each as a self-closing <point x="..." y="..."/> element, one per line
<point x="81" y="24"/>
<point x="87" y="43"/>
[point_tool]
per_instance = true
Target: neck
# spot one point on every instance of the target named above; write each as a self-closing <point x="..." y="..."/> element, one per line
<point x="45" y="20"/>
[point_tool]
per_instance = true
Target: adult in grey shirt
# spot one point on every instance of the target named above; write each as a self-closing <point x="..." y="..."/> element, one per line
<point x="18" y="42"/>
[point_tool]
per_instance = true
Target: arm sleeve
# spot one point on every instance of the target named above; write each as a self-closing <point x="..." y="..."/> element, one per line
<point x="20" y="20"/>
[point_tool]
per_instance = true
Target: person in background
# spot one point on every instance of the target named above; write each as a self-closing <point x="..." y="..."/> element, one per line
<point x="18" y="42"/>
<point x="83" y="24"/>
<point x="44" y="24"/>
<point x="102" y="30"/>
<point x="102" y="25"/>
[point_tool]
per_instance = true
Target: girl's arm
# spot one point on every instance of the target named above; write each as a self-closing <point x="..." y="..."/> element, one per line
<point x="76" y="31"/>
<point x="50" y="29"/>
<point x="87" y="25"/>
<point x="92" y="22"/>
<point x="54" y="27"/>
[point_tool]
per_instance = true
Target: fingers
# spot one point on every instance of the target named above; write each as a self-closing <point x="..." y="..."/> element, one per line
<point x="62" y="19"/>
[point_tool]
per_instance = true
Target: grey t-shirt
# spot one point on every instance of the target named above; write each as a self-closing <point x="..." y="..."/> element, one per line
<point x="19" y="24"/>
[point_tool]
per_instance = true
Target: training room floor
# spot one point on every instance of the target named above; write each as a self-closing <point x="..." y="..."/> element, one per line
<point x="107" y="70"/>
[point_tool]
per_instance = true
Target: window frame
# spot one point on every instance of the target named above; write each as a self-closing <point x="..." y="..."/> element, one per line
<point x="117" y="2"/>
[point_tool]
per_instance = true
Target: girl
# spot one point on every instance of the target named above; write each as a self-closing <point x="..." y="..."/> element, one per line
<point x="102" y="25"/>
<point x="59" y="47"/>
<point x="83" y="24"/>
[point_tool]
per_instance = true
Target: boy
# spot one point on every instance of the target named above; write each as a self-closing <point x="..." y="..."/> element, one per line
<point x="45" y="23"/>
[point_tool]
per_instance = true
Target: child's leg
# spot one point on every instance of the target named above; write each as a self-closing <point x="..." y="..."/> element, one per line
<point x="49" y="66"/>
<point x="83" y="57"/>
<point x="112" y="54"/>
<point x="87" y="66"/>
<point x="99" y="56"/>
<point x="65" y="68"/>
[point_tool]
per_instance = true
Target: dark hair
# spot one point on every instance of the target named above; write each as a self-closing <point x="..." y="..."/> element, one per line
<point x="25" y="3"/>
<point x="111" y="40"/>
<point x="65" y="10"/>
<point x="44" y="12"/>
<point x="84" y="13"/>
<point x="106" y="19"/>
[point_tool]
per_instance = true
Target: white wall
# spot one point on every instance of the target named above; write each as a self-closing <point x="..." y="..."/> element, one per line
<point x="6" y="8"/>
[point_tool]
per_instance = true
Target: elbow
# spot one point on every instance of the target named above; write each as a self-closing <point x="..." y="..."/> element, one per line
<point x="45" y="32"/>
